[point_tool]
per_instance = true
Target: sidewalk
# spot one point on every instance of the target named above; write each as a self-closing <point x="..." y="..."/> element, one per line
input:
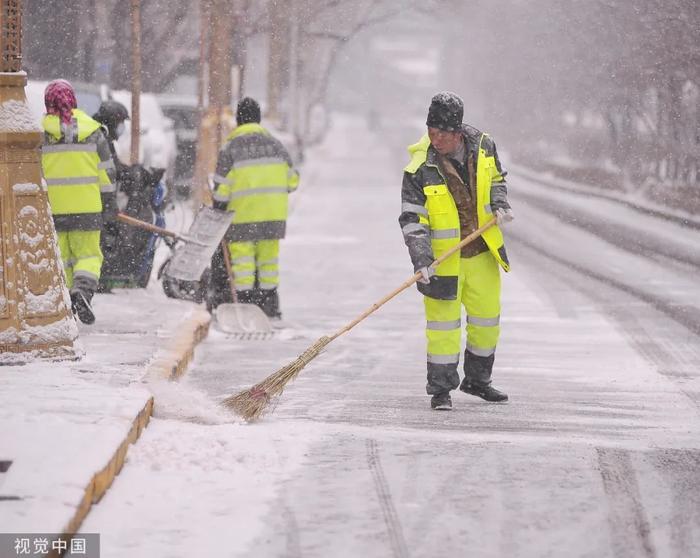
<point x="66" y="426"/>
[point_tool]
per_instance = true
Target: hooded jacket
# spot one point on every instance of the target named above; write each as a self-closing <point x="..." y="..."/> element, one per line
<point x="429" y="216"/>
<point x="79" y="171"/>
<point x="254" y="176"/>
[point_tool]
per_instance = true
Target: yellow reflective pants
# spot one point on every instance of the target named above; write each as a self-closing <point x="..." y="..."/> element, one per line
<point x="479" y="291"/>
<point x="82" y="259"/>
<point x="255" y="260"/>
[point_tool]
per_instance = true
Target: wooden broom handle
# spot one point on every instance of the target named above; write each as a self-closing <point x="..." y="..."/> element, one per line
<point x="229" y="271"/>
<point x="478" y="232"/>
<point x="146" y="226"/>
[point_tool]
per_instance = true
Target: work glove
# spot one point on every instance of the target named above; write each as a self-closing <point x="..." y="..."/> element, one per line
<point x="504" y="216"/>
<point x="425" y="274"/>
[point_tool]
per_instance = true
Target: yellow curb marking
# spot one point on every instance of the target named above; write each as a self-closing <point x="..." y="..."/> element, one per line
<point x="170" y="363"/>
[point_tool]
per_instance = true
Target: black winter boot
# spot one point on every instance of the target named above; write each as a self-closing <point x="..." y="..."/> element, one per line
<point x="80" y="304"/>
<point x="270" y="303"/>
<point x="477" y="378"/>
<point x="441" y="402"/>
<point x="487" y="392"/>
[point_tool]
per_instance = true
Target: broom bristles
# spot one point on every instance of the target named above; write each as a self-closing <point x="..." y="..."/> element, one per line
<point x="252" y="403"/>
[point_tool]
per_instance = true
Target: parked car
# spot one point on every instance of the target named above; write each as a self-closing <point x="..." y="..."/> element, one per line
<point x="157" y="146"/>
<point x="182" y="110"/>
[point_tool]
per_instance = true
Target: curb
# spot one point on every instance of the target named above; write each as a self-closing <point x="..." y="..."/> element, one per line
<point x="648" y="208"/>
<point x="169" y="363"/>
<point x="102" y="480"/>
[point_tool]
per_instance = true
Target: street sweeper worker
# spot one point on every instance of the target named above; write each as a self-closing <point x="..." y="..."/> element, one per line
<point x="254" y="177"/>
<point x="79" y="173"/>
<point x="127" y="250"/>
<point x="454" y="184"/>
<point x="113" y="115"/>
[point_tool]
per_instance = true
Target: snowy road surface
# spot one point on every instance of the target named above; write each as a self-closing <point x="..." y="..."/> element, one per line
<point x="597" y="454"/>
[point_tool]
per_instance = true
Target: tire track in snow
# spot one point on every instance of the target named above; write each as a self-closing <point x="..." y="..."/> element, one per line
<point x="391" y="519"/>
<point x="633" y="241"/>
<point x="679" y="469"/>
<point x="629" y="526"/>
<point x="689" y="319"/>
<point x="666" y="361"/>
<point x="293" y="546"/>
<point x="590" y="192"/>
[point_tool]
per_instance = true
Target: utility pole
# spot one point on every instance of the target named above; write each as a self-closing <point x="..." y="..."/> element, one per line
<point x="216" y="29"/>
<point x="220" y="62"/>
<point x="35" y="310"/>
<point x="200" y="188"/>
<point x="135" y="79"/>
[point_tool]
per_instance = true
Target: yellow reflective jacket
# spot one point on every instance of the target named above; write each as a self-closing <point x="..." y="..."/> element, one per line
<point x="254" y="176"/>
<point x="78" y="169"/>
<point x="429" y="218"/>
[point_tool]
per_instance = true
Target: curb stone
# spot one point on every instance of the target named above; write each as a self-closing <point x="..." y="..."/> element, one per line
<point x="169" y="362"/>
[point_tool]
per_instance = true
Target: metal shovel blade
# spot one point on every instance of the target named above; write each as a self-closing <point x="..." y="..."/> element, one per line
<point x="242" y="318"/>
<point x="191" y="258"/>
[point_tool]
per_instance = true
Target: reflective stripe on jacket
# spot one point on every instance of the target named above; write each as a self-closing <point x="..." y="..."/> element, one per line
<point x="429" y="217"/>
<point x="78" y="170"/>
<point x="254" y="177"/>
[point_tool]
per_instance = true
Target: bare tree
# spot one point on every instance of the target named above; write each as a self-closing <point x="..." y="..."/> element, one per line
<point x="614" y="83"/>
<point x="170" y="40"/>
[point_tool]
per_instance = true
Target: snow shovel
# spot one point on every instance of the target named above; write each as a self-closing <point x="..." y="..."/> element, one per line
<point x="156" y="229"/>
<point x="236" y="317"/>
<point x="190" y="260"/>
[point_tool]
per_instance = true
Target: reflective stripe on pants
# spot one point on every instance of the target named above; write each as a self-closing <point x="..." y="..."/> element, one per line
<point x="479" y="291"/>
<point x="255" y="260"/>
<point x="81" y="256"/>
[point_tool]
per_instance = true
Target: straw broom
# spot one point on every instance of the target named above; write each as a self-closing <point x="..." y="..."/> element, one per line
<point x="252" y="403"/>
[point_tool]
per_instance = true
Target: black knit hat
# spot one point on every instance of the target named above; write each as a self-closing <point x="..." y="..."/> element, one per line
<point x="446" y="112"/>
<point x="247" y="111"/>
<point x="111" y="114"/>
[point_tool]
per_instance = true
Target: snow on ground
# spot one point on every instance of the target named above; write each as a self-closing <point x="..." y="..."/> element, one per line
<point x="61" y="422"/>
<point x="194" y="490"/>
<point x="596" y="454"/>
<point x="634" y="199"/>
